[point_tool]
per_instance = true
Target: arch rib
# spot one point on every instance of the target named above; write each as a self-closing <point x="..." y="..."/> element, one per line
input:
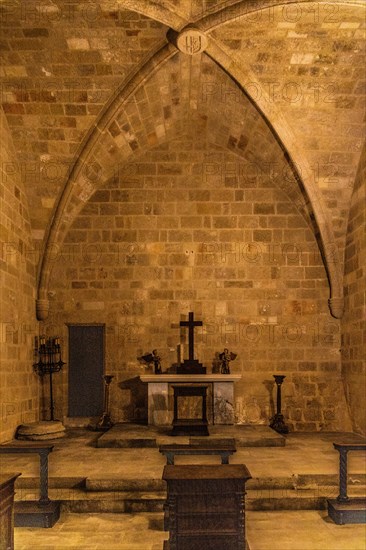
<point x="243" y="8"/>
<point x="285" y="136"/>
<point x="53" y="237"/>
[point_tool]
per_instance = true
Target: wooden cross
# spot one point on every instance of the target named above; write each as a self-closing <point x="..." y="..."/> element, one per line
<point x="191" y="324"/>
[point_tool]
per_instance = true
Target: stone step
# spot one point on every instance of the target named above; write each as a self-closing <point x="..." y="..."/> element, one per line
<point x="133" y="436"/>
<point x="82" y="501"/>
<point x="291" y="482"/>
<point x="26" y="482"/>
<point x="112" y="483"/>
<point x="111" y="507"/>
<point x="135" y="501"/>
<point x="316" y="480"/>
<point x="294" y="499"/>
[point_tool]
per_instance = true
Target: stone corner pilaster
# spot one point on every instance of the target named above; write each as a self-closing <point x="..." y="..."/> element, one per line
<point x="336" y="306"/>
<point x="42" y="309"/>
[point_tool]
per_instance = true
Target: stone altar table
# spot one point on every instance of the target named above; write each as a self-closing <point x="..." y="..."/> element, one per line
<point x="160" y="396"/>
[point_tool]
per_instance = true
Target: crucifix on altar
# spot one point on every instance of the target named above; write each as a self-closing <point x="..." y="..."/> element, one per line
<point x="191" y="365"/>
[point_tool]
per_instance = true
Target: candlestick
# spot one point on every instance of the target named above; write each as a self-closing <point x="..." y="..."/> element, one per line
<point x="49" y="362"/>
<point x="278" y="421"/>
<point x="105" y="421"/>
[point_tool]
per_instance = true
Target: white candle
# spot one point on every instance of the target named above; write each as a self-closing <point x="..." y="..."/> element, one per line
<point x="181" y="353"/>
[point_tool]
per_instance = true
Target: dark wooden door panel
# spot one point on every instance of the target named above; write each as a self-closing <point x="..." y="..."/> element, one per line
<point x="86" y="366"/>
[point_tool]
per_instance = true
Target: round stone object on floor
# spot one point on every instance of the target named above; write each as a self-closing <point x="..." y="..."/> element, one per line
<point x="41" y="431"/>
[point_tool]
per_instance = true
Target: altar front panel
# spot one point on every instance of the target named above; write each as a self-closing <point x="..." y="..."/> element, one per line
<point x="161" y="404"/>
<point x="220" y="398"/>
<point x="158" y="404"/>
<point x="223" y="403"/>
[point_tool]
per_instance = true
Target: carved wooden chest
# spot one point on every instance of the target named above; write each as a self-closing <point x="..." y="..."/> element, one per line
<point x="7" y="511"/>
<point x="206" y="507"/>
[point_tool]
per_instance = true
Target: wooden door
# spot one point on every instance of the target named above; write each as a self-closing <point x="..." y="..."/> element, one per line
<point x="86" y="369"/>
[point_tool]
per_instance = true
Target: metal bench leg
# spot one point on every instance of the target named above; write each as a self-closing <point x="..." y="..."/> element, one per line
<point x="224" y="458"/>
<point x="342" y="497"/>
<point x="43" y="474"/>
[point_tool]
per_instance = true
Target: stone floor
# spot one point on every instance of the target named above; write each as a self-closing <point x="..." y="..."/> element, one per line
<point x="137" y="435"/>
<point x="76" y="457"/>
<point x="305" y="530"/>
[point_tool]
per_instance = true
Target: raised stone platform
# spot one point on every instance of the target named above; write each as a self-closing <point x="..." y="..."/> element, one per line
<point x="300" y="475"/>
<point x="135" y="435"/>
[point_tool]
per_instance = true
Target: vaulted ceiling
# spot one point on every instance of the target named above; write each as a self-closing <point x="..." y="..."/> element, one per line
<point x="88" y="85"/>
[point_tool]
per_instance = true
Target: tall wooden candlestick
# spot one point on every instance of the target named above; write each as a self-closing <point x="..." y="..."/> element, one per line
<point x="278" y="421"/>
<point x="105" y="421"/>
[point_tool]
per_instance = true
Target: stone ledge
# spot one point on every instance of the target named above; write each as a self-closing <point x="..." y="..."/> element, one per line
<point x="189" y="378"/>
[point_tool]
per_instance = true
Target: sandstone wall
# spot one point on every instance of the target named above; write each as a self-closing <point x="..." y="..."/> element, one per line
<point x="354" y="320"/>
<point x="19" y="386"/>
<point x="191" y="227"/>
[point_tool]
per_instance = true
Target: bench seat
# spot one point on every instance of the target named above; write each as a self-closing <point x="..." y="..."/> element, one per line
<point x="171" y="450"/>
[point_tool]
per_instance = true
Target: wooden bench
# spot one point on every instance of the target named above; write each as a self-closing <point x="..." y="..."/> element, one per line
<point x="171" y="450"/>
<point x="44" y="512"/>
<point x="344" y="509"/>
<point x="7" y="510"/>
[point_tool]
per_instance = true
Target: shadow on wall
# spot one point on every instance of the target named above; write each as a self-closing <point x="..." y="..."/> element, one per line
<point x="216" y="364"/>
<point x="269" y="385"/>
<point x="136" y="411"/>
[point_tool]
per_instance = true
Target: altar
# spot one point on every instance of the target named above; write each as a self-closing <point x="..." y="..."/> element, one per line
<point x="204" y="398"/>
<point x="220" y="403"/>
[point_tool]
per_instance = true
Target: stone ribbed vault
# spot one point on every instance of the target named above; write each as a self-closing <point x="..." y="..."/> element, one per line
<point x="262" y="49"/>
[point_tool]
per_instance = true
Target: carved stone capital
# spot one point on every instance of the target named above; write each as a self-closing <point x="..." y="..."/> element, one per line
<point x="336" y="306"/>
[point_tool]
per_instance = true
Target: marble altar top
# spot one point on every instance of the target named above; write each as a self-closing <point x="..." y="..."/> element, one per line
<point x="189" y="377"/>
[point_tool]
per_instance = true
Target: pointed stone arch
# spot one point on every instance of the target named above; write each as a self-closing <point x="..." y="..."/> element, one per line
<point x="112" y="142"/>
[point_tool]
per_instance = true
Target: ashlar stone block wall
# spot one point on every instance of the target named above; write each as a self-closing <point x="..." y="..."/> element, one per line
<point x="19" y="385"/>
<point x="189" y="226"/>
<point x="354" y="320"/>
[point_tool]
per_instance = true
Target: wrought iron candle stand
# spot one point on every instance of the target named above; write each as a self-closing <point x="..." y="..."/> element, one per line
<point x="278" y="421"/>
<point x="49" y="361"/>
<point x="105" y="421"/>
